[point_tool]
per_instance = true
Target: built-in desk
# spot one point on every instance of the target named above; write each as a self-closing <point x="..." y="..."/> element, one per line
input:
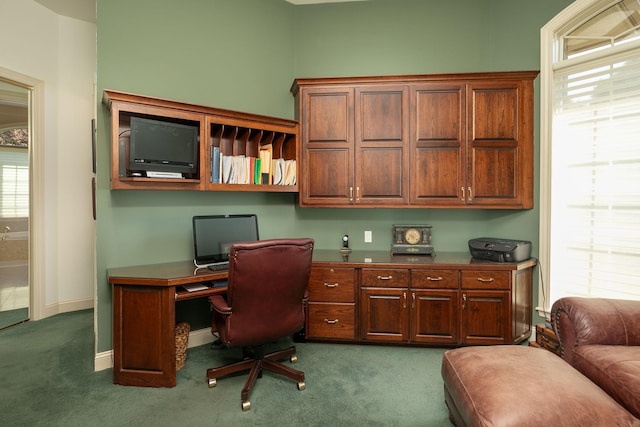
<point x="362" y="297"/>
<point x="144" y="297"/>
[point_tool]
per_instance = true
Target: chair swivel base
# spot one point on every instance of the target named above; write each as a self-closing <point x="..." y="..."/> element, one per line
<point x="255" y="365"/>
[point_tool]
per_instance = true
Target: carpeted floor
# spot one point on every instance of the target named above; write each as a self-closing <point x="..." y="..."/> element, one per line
<point x="48" y="380"/>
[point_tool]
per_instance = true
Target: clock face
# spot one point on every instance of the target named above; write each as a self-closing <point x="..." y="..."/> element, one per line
<point x="412" y="236"/>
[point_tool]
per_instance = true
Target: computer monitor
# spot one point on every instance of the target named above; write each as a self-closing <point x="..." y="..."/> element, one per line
<point x="213" y="236"/>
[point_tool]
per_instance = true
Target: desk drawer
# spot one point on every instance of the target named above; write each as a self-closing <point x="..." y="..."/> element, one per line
<point x="331" y="321"/>
<point x="486" y="279"/>
<point x="330" y="284"/>
<point x="435" y="279"/>
<point x="385" y="278"/>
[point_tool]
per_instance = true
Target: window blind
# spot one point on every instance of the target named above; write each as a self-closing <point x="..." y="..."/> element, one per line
<point x="595" y="179"/>
<point x="14" y="183"/>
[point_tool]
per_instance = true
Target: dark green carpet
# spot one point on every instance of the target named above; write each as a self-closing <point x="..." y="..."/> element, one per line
<point x="48" y="380"/>
<point x="13" y="317"/>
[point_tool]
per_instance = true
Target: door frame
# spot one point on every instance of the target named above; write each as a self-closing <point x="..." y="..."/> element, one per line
<point x="36" y="188"/>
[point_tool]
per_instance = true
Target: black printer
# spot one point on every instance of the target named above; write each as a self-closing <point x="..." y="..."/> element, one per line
<point x="500" y="250"/>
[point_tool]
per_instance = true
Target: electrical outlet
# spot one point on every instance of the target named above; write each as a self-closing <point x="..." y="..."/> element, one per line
<point x="368" y="237"/>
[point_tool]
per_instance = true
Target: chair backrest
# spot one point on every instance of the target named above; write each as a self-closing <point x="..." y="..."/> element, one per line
<point x="267" y="284"/>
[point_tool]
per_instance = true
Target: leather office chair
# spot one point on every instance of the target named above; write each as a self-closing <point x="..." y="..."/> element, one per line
<point x="267" y="286"/>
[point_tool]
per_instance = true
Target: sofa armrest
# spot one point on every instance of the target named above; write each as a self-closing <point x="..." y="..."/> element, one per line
<point x="584" y="321"/>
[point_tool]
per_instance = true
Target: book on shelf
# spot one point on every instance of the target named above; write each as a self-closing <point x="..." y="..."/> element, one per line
<point x="250" y="170"/>
<point x="266" y="154"/>
<point x="215" y="165"/>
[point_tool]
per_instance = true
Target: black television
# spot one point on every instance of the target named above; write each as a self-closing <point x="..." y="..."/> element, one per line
<point x="161" y="146"/>
<point x="213" y="236"/>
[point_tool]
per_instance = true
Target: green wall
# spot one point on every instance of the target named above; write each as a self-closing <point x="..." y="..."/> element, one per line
<point x="243" y="55"/>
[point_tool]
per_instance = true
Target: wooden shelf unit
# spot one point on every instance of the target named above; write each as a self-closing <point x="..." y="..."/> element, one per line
<point x="235" y="133"/>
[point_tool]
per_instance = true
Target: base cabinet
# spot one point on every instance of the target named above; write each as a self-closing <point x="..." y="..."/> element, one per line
<point x="431" y="301"/>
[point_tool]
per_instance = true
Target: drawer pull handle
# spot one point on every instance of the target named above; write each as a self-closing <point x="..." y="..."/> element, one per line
<point x="330" y="322"/>
<point x="434" y="279"/>
<point x="482" y="279"/>
<point x="328" y="285"/>
<point x="385" y="277"/>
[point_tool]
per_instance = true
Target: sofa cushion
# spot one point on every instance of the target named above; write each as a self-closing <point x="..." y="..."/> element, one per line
<point x="519" y="386"/>
<point x="615" y="368"/>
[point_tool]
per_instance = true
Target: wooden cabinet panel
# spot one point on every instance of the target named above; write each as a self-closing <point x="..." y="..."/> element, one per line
<point x="326" y="320"/>
<point x="327" y="176"/>
<point x="434" y="316"/>
<point x="144" y="349"/>
<point x="435" y="279"/>
<point x="438" y="136"/>
<point x="396" y="278"/>
<point x="332" y="284"/>
<point x="384" y="314"/>
<point x="485" y="317"/>
<point x="486" y="279"/>
<point x="381" y="132"/>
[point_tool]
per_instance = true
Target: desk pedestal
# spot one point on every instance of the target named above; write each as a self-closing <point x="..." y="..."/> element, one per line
<point x="144" y="336"/>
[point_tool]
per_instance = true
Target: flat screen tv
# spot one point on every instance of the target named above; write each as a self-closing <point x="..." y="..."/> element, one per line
<point x="159" y="146"/>
<point x="213" y="236"/>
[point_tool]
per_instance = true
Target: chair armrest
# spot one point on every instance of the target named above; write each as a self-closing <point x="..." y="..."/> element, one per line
<point x="219" y="304"/>
<point x="586" y="321"/>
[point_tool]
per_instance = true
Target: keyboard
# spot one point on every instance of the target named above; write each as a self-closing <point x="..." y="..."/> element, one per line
<point x="219" y="266"/>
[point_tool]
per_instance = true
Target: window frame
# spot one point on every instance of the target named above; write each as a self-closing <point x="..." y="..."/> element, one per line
<point x="550" y="60"/>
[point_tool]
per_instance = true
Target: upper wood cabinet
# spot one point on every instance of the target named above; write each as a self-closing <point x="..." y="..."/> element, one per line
<point x="447" y="140"/>
<point x="220" y="133"/>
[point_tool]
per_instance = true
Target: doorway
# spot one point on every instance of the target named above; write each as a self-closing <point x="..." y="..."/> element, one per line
<point x="14" y="203"/>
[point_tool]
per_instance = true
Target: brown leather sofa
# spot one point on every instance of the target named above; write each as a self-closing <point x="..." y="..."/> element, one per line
<point x="601" y="339"/>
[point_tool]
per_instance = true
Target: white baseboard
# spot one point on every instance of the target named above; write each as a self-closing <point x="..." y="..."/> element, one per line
<point x="67" y="306"/>
<point x="198" y="337"/>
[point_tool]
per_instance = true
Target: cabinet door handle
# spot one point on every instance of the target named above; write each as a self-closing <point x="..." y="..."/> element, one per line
<point x="357" y="193"/>
<point x="330" y="322"/>
<point x="328" y="285"/>
<point x="482" y="279"/>
<point x="464" y="301"/>
<point x="463" y="197"/>
<point x="470" y="193"/>
<point x="413" y="300"/>
<point x="385" y="277"/>
<point x="404" y="304"/>
<point x="351" y="194"/>
<point x="434" y="279"/>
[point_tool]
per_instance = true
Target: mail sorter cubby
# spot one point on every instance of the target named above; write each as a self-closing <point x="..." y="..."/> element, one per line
<point x="226" y="140"/>
<point x="447" y="300"/>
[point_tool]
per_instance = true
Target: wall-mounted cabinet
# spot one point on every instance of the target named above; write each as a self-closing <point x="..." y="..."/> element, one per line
<point x="234" y="151"/>
<point x="447" y="140"/>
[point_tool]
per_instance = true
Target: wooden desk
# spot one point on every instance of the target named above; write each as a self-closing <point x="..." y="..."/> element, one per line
<point x="456" y="300"/>
<point x="144" y="351"/>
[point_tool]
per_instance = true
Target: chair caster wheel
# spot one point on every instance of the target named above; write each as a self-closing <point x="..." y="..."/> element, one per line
<point x="293" y="358"/>
<point x="301" y="385"/>
<point x="212" y="382"/>
<point x="246" y="406"/>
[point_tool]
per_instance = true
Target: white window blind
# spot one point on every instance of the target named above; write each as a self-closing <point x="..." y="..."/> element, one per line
<point x="595" y="179"/>
<point x="14" y="182"/>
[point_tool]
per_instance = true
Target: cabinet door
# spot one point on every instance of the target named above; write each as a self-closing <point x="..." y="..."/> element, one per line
<point x="381" y="136"/>
<point x="327" y="147"/>
<point x="384" y="314"/>
<point x="485" y="317"/>
<point x="438" y="138"/>
<point x="434" y="316"/>
<point x="500" y="154"/>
